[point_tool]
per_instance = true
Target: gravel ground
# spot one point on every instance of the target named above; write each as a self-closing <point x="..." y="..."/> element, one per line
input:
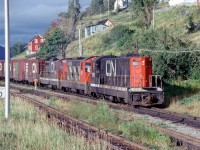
<point x="170" y="125"/>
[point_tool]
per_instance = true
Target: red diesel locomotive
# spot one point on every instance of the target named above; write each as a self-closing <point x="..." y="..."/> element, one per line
<point x="126" y="79"/>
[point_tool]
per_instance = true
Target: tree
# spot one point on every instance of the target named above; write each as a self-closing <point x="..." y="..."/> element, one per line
<point x="191" y="25"/>
<point x="111" y="4"/>
<point x="96" y="6"/>
<point x="18" y="48"/>
<point x="99" y="6"/>
<point x="73" y="11"/>
<point x="55" y="44"/>
<point x="144" y="9"/>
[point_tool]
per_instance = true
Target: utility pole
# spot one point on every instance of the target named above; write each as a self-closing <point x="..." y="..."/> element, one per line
<point x="108" y="8"/>
<point x="153" y="18"/>
<point x="80" y="44"/>
<point x="7" y="59"/>
<point x="100" y="12"/>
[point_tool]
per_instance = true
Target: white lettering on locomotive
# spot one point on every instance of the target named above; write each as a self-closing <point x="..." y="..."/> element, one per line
<point x="52" y="67"/>
<point x="75" y="73"/>
<point x="34" y="68"/>
<point x="110" y="68"/>
<point x="26" y="67"/>
<point x="70" y="72"/>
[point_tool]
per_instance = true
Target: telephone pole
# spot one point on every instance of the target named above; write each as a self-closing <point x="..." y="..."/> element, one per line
<point x="7" y="59"/>
<point x="108" y="8"/>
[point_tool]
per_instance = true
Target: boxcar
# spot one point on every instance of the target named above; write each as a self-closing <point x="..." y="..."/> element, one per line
<point x="33" y="68"/>
<point x="18" y="70"/>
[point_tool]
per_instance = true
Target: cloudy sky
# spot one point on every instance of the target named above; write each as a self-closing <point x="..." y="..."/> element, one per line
<point x="30" y="17"/>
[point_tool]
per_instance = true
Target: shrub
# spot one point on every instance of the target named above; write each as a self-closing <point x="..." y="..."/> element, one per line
<point x="120" y="35"/>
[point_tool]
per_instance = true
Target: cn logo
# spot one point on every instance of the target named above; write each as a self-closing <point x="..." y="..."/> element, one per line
<point x="111" y="68"/>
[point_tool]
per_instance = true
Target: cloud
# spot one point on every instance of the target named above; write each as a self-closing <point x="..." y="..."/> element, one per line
<point x="30" y="17"/>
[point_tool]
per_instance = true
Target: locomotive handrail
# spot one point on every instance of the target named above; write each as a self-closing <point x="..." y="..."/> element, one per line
<point x="117" y="80"/>
<point x="155" y="81"/>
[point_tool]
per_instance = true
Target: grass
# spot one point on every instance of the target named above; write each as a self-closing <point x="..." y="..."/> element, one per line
<point x="174" y="19"/>
<point x="103" y="117"/>
<point x="184" y="96"/>
<point x="188" y="105"/>
<point x="27" y="129"/>
<point x="177" y="90"/>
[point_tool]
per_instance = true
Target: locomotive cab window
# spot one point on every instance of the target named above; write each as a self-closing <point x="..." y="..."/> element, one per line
<point x="88" y="64"/>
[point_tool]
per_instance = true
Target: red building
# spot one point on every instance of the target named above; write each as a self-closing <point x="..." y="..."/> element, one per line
<point x="34" y="43"/>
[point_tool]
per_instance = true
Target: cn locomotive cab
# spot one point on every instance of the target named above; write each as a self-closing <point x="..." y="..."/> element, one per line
<point x="145" y="88"/>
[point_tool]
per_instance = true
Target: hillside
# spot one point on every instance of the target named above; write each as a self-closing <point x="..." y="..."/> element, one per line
<point x="173" y="19"/>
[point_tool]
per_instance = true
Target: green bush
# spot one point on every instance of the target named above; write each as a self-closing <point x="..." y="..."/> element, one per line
<point x="190" y="99"/>
<point x="195" y="73"/>
<point x="120" y="35"/>
<point x="168" y="64"/>
<point x="137" y="131"/>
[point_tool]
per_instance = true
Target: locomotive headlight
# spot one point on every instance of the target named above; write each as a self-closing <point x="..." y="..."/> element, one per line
<point x="143" y="62"/>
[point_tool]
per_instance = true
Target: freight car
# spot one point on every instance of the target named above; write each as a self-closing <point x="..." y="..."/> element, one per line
<point x="1" y="69"/>
<point x="127" y="79"/>
<point x="26" y="71"/>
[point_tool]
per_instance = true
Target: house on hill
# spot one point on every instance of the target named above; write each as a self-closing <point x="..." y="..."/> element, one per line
<point x="98" y="27"/>
<point x="34" y="44"/>
<point x="120" y="4"/>
<point x="184" y="2"/>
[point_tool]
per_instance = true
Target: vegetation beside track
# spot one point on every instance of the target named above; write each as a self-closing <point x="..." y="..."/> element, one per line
<point x="103" y="117"/>
<point x="26" y="128"/>
<point x="188" y="105"/>
<point x="183" y="96"/>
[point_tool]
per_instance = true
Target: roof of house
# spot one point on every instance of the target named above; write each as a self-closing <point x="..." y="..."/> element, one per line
<point x="101" y="22"/>
<point x="35" y="37"/>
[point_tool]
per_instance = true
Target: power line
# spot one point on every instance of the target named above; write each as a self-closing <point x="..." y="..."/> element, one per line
<point x="170" y="52"/>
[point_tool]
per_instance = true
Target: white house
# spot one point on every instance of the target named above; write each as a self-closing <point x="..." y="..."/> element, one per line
<point x="98" y="27"/>
<point x="120" y="4"/>
<point x="183" y="2"/>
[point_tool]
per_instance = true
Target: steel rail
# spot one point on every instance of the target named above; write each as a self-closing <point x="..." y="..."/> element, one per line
<point x="180" y="139"/>
<point x="68" y="121"/>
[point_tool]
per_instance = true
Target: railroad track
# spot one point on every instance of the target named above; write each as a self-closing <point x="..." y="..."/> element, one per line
<point x="66" y="122"/>
<point x="180" y="139"/>
<point x="154" y="112"/>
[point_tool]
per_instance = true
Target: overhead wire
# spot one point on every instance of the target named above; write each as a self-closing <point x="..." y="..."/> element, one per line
<point x="170" y="52"/>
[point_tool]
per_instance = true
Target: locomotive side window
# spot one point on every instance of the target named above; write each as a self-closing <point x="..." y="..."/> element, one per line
<point x="135" y="63"/>
<point x="88" y="64"/>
